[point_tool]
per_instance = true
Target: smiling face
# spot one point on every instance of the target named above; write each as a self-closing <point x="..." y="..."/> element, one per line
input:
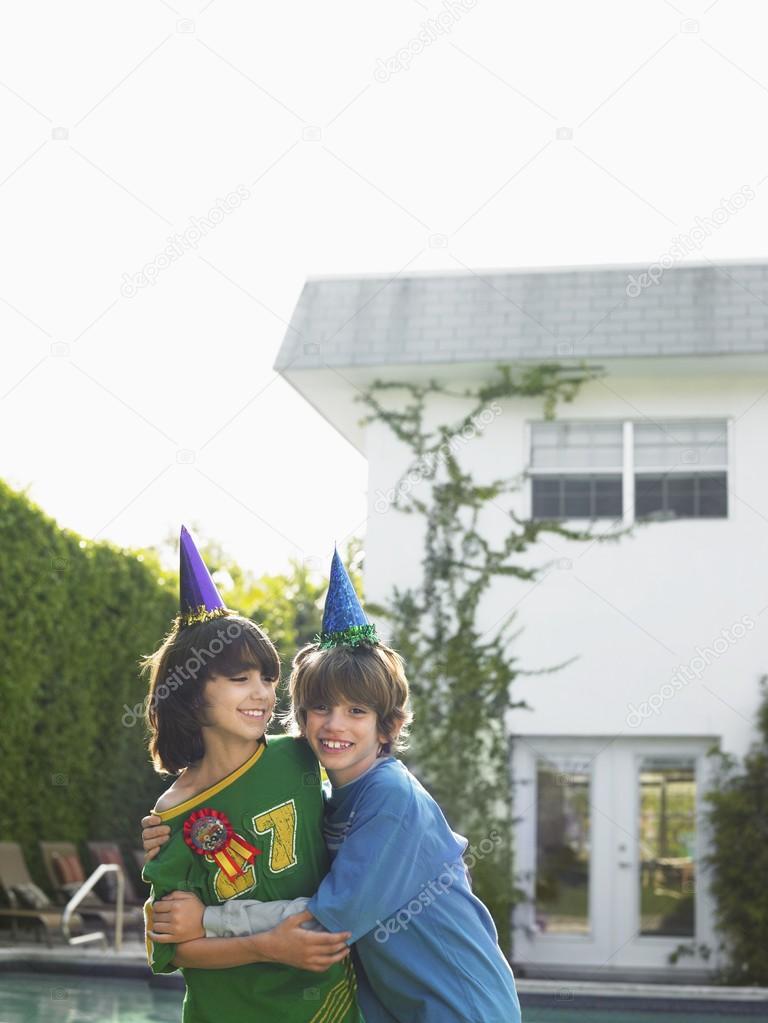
<point x="344" y="737"/>
<point x="238" y="707"/>
<point x="349" y="702"/>
<point x="230" y="649"/>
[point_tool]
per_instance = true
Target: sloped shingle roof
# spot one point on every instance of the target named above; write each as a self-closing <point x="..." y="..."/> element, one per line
<point x="583" y="312"/>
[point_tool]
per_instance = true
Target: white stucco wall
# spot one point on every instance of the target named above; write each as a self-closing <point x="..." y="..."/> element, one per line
<point x="635" y="612"/>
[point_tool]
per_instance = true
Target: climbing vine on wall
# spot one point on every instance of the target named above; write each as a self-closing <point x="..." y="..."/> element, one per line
<point x="461" y="672"/>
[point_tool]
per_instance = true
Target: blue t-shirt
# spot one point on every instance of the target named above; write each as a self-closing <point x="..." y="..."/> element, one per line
<point x="426" y="949"/>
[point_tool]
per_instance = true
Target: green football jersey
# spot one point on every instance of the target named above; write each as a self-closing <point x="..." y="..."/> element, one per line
<point x="257" y="834"/>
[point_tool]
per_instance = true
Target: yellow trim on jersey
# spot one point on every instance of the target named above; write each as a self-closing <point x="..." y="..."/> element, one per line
<point x="202" y="797"/>
<point x="339" y="999"/>
<point x="147" y="929"/>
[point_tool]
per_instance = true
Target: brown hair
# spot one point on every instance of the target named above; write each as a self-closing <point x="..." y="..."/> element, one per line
<point x="178" y="670"/>
<point x="373" y="676"/>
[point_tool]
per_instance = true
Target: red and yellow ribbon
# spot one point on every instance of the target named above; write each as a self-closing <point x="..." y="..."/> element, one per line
<point x="208" y="832"/>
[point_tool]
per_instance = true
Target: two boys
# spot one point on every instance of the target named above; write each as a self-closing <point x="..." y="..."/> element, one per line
<point x="390" y="847"/>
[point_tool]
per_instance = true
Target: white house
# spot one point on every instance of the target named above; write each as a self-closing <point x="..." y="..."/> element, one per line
<point x="666" y="625"/>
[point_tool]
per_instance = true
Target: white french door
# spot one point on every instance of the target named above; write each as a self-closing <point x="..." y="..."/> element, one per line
<point x="609" y="848"/>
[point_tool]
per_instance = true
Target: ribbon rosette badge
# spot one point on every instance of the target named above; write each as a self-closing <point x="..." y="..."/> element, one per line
<point x="209" y="833"/>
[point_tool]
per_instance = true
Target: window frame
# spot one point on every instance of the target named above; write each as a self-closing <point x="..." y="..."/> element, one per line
<point x="629" y="471"/>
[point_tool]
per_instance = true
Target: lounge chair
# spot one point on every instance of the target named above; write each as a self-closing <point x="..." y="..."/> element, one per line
<point x="27" y="902"/>
<point x="66" y="874"/>
<point x="109" y="852"/>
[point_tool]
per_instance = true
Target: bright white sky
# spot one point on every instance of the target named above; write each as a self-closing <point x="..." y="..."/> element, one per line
<point x="168" y="107"/>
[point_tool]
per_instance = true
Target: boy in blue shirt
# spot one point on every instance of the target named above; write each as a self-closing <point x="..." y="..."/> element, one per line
<point x="425" y="948"/>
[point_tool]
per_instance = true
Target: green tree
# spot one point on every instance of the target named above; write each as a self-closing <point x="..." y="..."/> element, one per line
<point x="737" y="816"/>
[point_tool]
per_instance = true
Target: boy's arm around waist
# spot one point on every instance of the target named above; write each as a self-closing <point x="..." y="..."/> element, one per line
<point x="288" y="943"/>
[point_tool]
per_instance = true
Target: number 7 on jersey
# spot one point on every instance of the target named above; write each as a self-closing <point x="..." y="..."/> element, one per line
<point x="280" y="823"/>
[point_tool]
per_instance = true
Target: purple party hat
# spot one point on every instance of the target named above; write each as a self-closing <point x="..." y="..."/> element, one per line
<point x="199" y="600"/>
<point x="344" y="621"/>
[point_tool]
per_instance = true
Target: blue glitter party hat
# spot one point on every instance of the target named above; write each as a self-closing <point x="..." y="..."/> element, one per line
<point x="199" y="600"/>
<point x="344" y="621"/>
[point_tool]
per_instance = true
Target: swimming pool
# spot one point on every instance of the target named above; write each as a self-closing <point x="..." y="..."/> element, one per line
<point x="68" y="998"/>
<point x="541" y="1014"/>
<point x="650" y="1007"/>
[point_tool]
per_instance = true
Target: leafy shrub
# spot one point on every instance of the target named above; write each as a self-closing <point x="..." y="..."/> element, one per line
<point x="76" y="617"/>
<point x="738" y="820"/>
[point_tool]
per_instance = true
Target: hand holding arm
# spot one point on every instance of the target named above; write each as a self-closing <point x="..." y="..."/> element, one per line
<point x="181" y="916"/>
<point x="154" y="835"/>
<point x="288" y="943"/>
<point x="177" y="918"/>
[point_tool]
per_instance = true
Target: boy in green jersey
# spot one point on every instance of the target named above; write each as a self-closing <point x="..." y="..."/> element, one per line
<point x="245" y="815"/>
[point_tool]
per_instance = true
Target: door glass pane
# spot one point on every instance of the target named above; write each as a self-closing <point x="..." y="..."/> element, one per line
<point x="562" y="845"/>
<point x="667" y="830"/>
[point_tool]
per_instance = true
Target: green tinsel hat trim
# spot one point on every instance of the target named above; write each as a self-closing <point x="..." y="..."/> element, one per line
<point x="353" y="636"/>
<point x="202" y="614"/>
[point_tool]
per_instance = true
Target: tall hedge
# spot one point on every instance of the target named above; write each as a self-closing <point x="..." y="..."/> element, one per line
<point x="76" y="616"/>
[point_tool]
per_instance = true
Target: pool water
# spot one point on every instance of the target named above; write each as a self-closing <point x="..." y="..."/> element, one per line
<point x="60" y="998"/>
<point x="63" y="998"/>
<point x="708" y="1014"/>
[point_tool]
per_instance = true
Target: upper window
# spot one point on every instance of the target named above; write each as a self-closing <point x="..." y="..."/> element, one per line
<point x="577" y="446"/>
<point x="577" y="470"/>
<point x="681" y="469"/>
<point x="676" y="469"/>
